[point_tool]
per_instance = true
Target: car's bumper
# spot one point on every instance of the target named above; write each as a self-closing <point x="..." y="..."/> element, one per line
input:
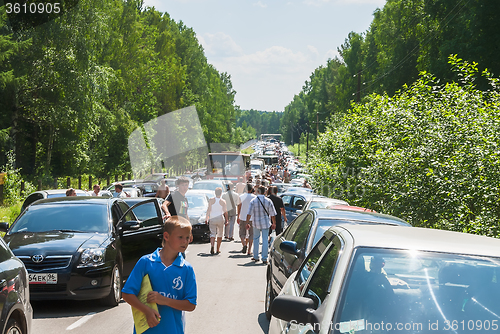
<point x="79" y="284"/>
<point x="201" y="231"/>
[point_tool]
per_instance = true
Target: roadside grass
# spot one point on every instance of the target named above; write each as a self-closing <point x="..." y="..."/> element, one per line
<point x="9" y="213"/>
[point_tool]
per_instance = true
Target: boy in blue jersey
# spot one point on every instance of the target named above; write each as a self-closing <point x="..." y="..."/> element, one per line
<point x="172" y="279"/>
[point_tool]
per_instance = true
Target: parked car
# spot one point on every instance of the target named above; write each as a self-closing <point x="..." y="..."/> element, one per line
<point x="148" y="189"/>
<point x="81" y="247"/>
<point x="378" y="279"/>
<point x="52" y="193"/>
<point x="16" y="312"/>
<point x="211" y="185"/>
<point x="197" y="212"/>
<point x="125" y="184"/>
<point x="302" y="234"/>
<point x="293" y="202"/>
<point x="320" y="202"/>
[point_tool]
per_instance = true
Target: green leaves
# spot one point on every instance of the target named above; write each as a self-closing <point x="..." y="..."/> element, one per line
<point x="429" y="154"/>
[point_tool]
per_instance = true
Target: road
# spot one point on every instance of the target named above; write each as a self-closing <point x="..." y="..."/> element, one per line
<point x="231" y="291"/>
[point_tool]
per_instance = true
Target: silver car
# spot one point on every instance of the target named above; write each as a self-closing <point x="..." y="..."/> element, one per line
<point x="381" y="279"/>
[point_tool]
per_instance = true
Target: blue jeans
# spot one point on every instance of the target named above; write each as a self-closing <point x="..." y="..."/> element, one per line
<point x="265" y="247"/>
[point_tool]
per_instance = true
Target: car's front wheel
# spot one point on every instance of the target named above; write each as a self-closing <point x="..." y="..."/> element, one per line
<point x="115" y="293"/>
<point x="269" y="298"/>
<point x="13" y="327"/>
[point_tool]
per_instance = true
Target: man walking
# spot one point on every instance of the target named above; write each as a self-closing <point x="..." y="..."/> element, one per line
<point x="176" y="203"/>
<point x="232" y="200"/>
<point x="243" y="222"/>
<point x="261" y="209"/>
<point x="278" y="207"/>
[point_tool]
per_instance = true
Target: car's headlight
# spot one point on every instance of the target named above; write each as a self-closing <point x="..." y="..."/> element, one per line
<point x="92" y="257"/>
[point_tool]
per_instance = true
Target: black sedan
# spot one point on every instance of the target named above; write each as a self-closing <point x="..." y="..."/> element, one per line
<point x="16" y="311"/>
<point x="291" y="247"/>
<point x="81" y="247"/>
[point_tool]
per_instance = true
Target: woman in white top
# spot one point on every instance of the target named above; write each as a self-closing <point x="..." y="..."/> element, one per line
<point x="217" y="215"/>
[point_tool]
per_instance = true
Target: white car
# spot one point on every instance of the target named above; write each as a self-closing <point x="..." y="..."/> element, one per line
<point x="384" y="279"/>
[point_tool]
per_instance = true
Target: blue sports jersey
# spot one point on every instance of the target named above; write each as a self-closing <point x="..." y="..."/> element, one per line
<point x="176" y="281"/>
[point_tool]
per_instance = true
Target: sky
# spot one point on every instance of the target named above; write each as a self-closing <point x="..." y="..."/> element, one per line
<point x="270" y="48"/>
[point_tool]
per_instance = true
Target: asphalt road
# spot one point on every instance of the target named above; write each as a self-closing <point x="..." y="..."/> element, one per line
<point x="231" y="291"/>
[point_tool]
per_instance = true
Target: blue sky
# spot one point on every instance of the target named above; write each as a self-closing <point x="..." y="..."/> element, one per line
<point x="270" y="47"/>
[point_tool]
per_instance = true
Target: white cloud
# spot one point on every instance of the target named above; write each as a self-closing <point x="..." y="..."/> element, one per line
<point x="331" y="54"/>
<point x="220" y="44"/>
<point x="268" y="79"/>
<point x="312" y="49"/>
<point x="260" y="4"/>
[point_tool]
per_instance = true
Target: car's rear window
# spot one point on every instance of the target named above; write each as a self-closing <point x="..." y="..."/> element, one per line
<point x="63" y="217"/>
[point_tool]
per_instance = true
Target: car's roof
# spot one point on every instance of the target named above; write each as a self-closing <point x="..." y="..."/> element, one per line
<point x="357" y="216"/>
<point x="421" y="239"/>
<point x="58" y="191"/>
<point x="75" y="200"/>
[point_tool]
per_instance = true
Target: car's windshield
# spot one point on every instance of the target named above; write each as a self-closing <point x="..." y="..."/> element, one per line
<point x="197" y="201"/>
<point x="419" y="292"/>
<point x="63" y="217"/>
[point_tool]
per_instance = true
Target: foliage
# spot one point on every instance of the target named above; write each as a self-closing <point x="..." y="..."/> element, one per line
<point x="12" y="183"/>
<point x="404" y="38"/>
<point x="85" y="80"/>
<point x="9" y="213"/>
<point x="430" y="154"/>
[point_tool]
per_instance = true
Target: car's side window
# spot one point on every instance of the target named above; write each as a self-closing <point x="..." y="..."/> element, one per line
<point x="302" y="232"/>
<point x="298" y="203"/>
<point x="124" y="207"/>
<point x="311" y="261"/>
<point x="319" y="284"/>
<point x="286" y="200"/>
<point x="290" y="231"/>
<point x="115" y="213"/>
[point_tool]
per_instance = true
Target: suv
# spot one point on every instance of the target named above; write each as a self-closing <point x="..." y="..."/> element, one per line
<point x="16" y="311"/>
<point x="291" y="247"/>
<point x="82" y="247"/>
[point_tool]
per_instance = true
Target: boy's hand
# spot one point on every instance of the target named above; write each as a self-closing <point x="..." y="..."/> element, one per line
<point x="153" y="317"/>
<point x="154" y="297"/>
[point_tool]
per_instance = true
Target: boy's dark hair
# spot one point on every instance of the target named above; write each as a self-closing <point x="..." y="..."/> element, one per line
<point x="249" y="187"/>
<point x="119" y="186"/>
<point x="181" y="179"/>
<point x="174" y="222"/>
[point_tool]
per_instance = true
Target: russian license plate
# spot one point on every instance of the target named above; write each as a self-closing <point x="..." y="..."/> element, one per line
<point x="42" y="278"/>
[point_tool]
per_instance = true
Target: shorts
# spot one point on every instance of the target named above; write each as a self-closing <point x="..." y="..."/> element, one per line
<point x="216" y="226"/>
<point x="243" y="230"/>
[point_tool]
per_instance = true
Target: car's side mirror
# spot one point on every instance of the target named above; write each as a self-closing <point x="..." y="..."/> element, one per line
<point x="4" y="227"/>
<point x="294" y="308"/>
<point x="290" y="247"/>
<point x="131" y="225"/>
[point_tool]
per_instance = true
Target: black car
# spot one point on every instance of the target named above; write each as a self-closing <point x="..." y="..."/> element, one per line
<point x="82" y="247"/>
<point x="15" y="304"/>
<point x="291" y="247"/>
<point x="52" y="193"/>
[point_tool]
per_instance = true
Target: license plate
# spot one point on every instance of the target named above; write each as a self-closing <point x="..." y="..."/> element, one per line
<point x="42" y="278"/>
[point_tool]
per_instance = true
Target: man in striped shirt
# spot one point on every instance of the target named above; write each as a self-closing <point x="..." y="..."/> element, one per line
<point x="260" y="210"/>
